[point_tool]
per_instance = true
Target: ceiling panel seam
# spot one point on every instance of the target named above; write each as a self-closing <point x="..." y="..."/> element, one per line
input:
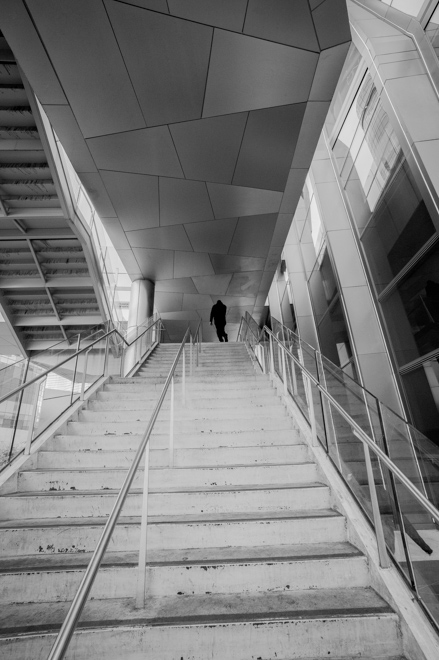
<point x="207" y="73"/>
<point x="175" y="149"/>
<point x="125" y="64"/>
<point x="240" y="147"/>
<point x="210" y="201"/>
<point x="245" y="16"/>
<point x="314" y="25"/>
<point x="187" y="236"/>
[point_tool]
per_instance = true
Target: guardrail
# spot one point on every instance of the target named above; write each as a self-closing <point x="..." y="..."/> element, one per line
<point x="385" y="462"/>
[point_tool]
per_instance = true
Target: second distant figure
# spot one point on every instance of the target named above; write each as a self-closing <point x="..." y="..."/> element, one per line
<point x="218" y="316"/>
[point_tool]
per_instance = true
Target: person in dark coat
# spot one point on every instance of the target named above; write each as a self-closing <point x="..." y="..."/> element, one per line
<point x="218" y="316"/>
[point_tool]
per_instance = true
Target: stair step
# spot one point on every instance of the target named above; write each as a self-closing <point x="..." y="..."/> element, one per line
<point x="234" y="500"/>
<point x="265" y="572"/>
<point x="78" y="535"/>
<point x="103" y="479"/>
<point x="194" y="457"/>
<point x="272" y="410"/>
<point x="335" y="623"/>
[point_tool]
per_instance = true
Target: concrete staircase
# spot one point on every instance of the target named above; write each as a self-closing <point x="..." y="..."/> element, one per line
<point x="247" y="558"/>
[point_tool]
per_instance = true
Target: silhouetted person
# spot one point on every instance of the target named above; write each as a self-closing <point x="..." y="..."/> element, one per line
<point x="218" y="315"/>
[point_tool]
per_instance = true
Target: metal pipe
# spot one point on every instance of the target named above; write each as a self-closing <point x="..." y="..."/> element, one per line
<point x="141" y="580"/>
<point x="171" y="426"/>
<point x="84" y="375"/>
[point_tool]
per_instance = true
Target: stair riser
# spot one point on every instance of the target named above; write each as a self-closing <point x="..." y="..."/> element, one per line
<point x="52" y="586"/>
<point x="199" y="478"/>
<point x="244" y="412"/>
<point x="193" y="403"/>
<point x="182" y="457"/>
<point x="197" y="381"/>
<point x="162" y="504"/>
<point x="73" y="539"/>
<point x="374" y="636"/>
<point x="131" y="442"/>
<point x="183" y="426"/>
<point x="241" y="384"/>
<point x="202" y="397"/>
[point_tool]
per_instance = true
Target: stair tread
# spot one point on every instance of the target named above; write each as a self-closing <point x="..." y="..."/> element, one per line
<point x="167" y="489"/>
<point x="158" y="469"/>
<point x="201" y="610"/>
<point x="191" y="556"/>
<point x="188" y="518"/>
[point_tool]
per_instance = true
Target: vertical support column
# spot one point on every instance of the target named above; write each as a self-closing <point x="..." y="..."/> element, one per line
<point x="141" y="308"/>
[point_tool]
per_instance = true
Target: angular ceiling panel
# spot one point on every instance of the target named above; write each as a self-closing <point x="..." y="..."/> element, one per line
<point x="135" y="198"/>
<point x="226" y="263"/>
<point x="253" y="235"/>
<point x="235" y="201"/>
<point x="155" y="264"/>
<point x="332" y="26"/>
<point x="245" y="284"/>
<point x="101" y="95"/>
<point x="188" y="264"/>
<point x="155" y="5"/>
<point x="92" y="181"/>
<point x="196" y="301"/>
<point x="182" y="285"/>
<point x="183" y="201"/>
<point x="215" y="285"/>
<point x="327" y="72"/>
<point x="227" y="14"/>
<point x="208" y="148"/>
<point x="290" y="24"/>
<point x="247" y="74"/>
<point x="268" y="147"/>
<point x="66" y="127"/>
<point x="160" y="238"/>
<point x="167" y="59"/>
<point x="149" y="151"/>
<point x="213" y="236"/>
<point x="168" y="302"/>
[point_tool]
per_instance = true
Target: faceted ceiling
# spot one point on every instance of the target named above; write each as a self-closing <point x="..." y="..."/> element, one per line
<point x="192" y="124"/>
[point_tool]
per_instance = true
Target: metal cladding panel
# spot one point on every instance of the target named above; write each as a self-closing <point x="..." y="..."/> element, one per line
<point x="66" y="127"/>
<point x="331" y="30"/>
<point x="93" y="74"/>
<point x="290" y="24"/>
<point x="148" y="151"/>
<point x="245" y="284"/>
<point x="183" y="201"/>
<point x="208" y="148"/>
<point x="155" y="5"/>
<point x="236" y="201"/>
<point x="97" y="191"/>
<point x="226" y="263"/>
<point x="168" y="302"/>
<point x="155" y="264"/>
<point x="213" y="236"/>
<point x="253" y="235"/>
<point x="182" y="285"/>
<point x="187" y="264"/>
<point x="196" y="301"/>
<point x="268" y="147"/>
<point x="167" y="59"/>
<point x="215" y="285"/>
<point x="227" y="14"/>
<point x="246" y="73"/>
<point x="160" y="238"/>
<point x="135" y="198"/>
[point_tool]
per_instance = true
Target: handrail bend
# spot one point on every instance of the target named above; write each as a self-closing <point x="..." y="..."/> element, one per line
<point x="68" y="627"/>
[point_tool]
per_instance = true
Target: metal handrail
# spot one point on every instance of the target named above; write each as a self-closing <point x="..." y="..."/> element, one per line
<point x="361" y="434"/>
<point x="68" y="627"/>
<point x="82" y="350"/>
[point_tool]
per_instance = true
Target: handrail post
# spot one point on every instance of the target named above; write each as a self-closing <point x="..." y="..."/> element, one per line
<point x="106" y="360"/>
<point x="284" y="371"/>
<point x="378" y="523"/>
<point x="271" y="355"/>
<point x="312" y="416"/>
<point x="32" y="419"/>
<point x="84" y="375"/>
<point x="171" y="427"/>
<point x="191" y="356"/>
<point x="184" y="375"/>
<point x="141" y="580"/>
<point x="75" y="369"/>
<point x="294" y="378"/>
<point x="200" y="335"/>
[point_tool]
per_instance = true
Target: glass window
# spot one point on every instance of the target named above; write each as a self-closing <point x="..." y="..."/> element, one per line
<point x="412" y="311"/>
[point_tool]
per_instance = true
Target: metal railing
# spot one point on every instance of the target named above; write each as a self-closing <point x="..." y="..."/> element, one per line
<point x="44" y="394"/>
<point x="389" y="466"/>
<point x="68" y="628"/>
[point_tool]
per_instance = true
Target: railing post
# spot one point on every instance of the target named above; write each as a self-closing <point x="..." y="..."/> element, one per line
<point x="76" y="367"/>
<point x="141" y="580"/>
<point x="184" y="375"/>
<point x="171" y="427"/>
<point x="84" y="375"/>
<point x="284" y="371"/>
<point x="378" y="523"/>
<point x="106" y="360"/>
<point x="200" y="335"/>
<point x="294" y="378"/>
<point x="191" y="356"/>
<point x="271" y="354"/>
<point x="312" y="416"/>
<point x="32" y="419"/>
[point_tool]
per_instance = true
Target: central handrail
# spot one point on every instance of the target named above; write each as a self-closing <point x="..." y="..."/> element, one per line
<point x="68" y="627"/>
<point x="114" y="331"/>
